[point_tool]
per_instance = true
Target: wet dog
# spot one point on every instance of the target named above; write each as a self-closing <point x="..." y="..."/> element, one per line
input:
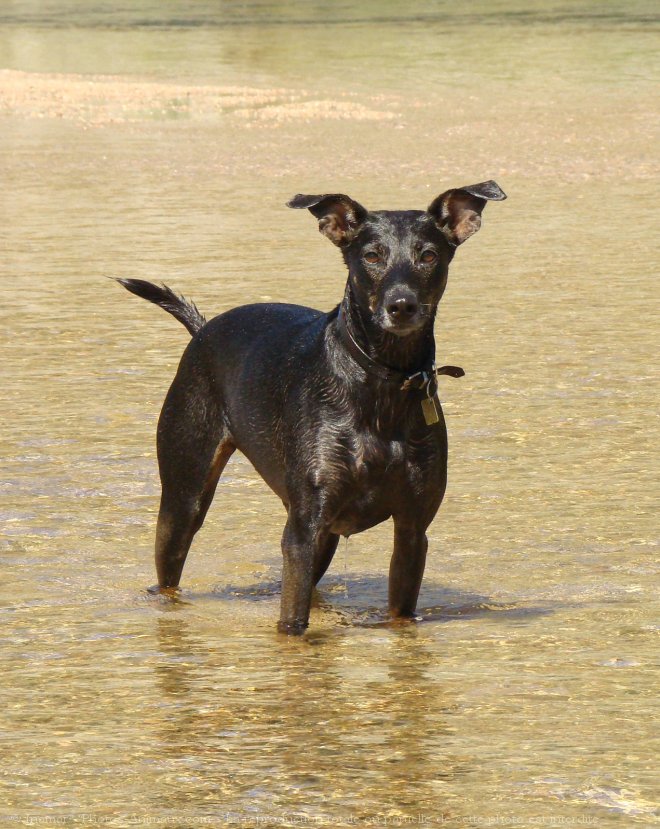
<point x="338" y="411"/>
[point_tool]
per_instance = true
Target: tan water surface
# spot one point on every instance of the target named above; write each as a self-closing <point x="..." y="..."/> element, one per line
<point x="160" y="140"/>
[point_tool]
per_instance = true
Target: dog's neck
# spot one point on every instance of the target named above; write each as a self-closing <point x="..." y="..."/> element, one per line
<point x="406" y="354"/>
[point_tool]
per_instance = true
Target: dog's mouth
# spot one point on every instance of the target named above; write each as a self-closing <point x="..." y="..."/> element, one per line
<point x="402" y="327"/>
<point x="401" y="330"/>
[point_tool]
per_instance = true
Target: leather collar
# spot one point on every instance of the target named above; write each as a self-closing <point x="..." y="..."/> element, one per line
<point x="419" y="379"/>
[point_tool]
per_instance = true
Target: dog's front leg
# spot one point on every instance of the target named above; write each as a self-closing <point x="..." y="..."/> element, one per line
<point x="406" y="568"/>
<point x="302" y="544"/>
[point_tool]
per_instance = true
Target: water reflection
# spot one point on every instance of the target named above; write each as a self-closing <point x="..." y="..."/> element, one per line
<point x="313" y="726"/>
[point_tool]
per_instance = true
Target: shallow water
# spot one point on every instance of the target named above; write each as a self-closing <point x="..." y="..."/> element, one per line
<point x="161" y="142"/>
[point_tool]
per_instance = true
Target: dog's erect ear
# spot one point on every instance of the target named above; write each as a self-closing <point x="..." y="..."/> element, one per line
<point x="339" y="216"/>
<point x="458" y="212"/>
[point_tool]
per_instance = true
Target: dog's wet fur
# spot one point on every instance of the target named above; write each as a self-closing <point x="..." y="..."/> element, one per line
<point x="342" y="446"/>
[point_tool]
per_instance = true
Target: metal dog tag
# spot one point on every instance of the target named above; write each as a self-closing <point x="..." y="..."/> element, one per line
<point x="431" y="410"/>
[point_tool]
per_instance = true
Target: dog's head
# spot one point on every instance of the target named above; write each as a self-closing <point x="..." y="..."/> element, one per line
<point x="398" y="260"/>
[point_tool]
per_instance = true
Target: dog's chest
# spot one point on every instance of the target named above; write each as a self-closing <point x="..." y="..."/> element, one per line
<point x="362" y="478"/>
<point x="372" y="458"/>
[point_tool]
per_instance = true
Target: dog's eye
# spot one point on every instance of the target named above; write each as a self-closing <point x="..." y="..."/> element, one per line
<point x="372" y="257"/>
<point x="428" y="257"/>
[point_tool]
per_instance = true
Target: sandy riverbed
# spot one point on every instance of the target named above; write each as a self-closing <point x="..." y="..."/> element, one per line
<point x="103" y="99"/>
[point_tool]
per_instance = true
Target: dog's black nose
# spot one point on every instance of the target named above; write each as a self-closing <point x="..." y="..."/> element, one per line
<point x="402" y="308"/>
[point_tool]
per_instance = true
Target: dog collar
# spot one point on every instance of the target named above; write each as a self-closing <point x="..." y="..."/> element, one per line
<point x="420" y="379"/>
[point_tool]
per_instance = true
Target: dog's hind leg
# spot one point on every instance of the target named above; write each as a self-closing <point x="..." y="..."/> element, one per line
<point x="194" y="446"/>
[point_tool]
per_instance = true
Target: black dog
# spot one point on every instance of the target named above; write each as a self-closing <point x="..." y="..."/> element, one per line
<point x="338" y="412"/>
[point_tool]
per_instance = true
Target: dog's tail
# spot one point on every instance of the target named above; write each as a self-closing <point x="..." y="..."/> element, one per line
<point x="181" y="308"/>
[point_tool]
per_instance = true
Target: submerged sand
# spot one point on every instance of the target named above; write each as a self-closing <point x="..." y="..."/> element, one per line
<point x="97" y="100"/>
